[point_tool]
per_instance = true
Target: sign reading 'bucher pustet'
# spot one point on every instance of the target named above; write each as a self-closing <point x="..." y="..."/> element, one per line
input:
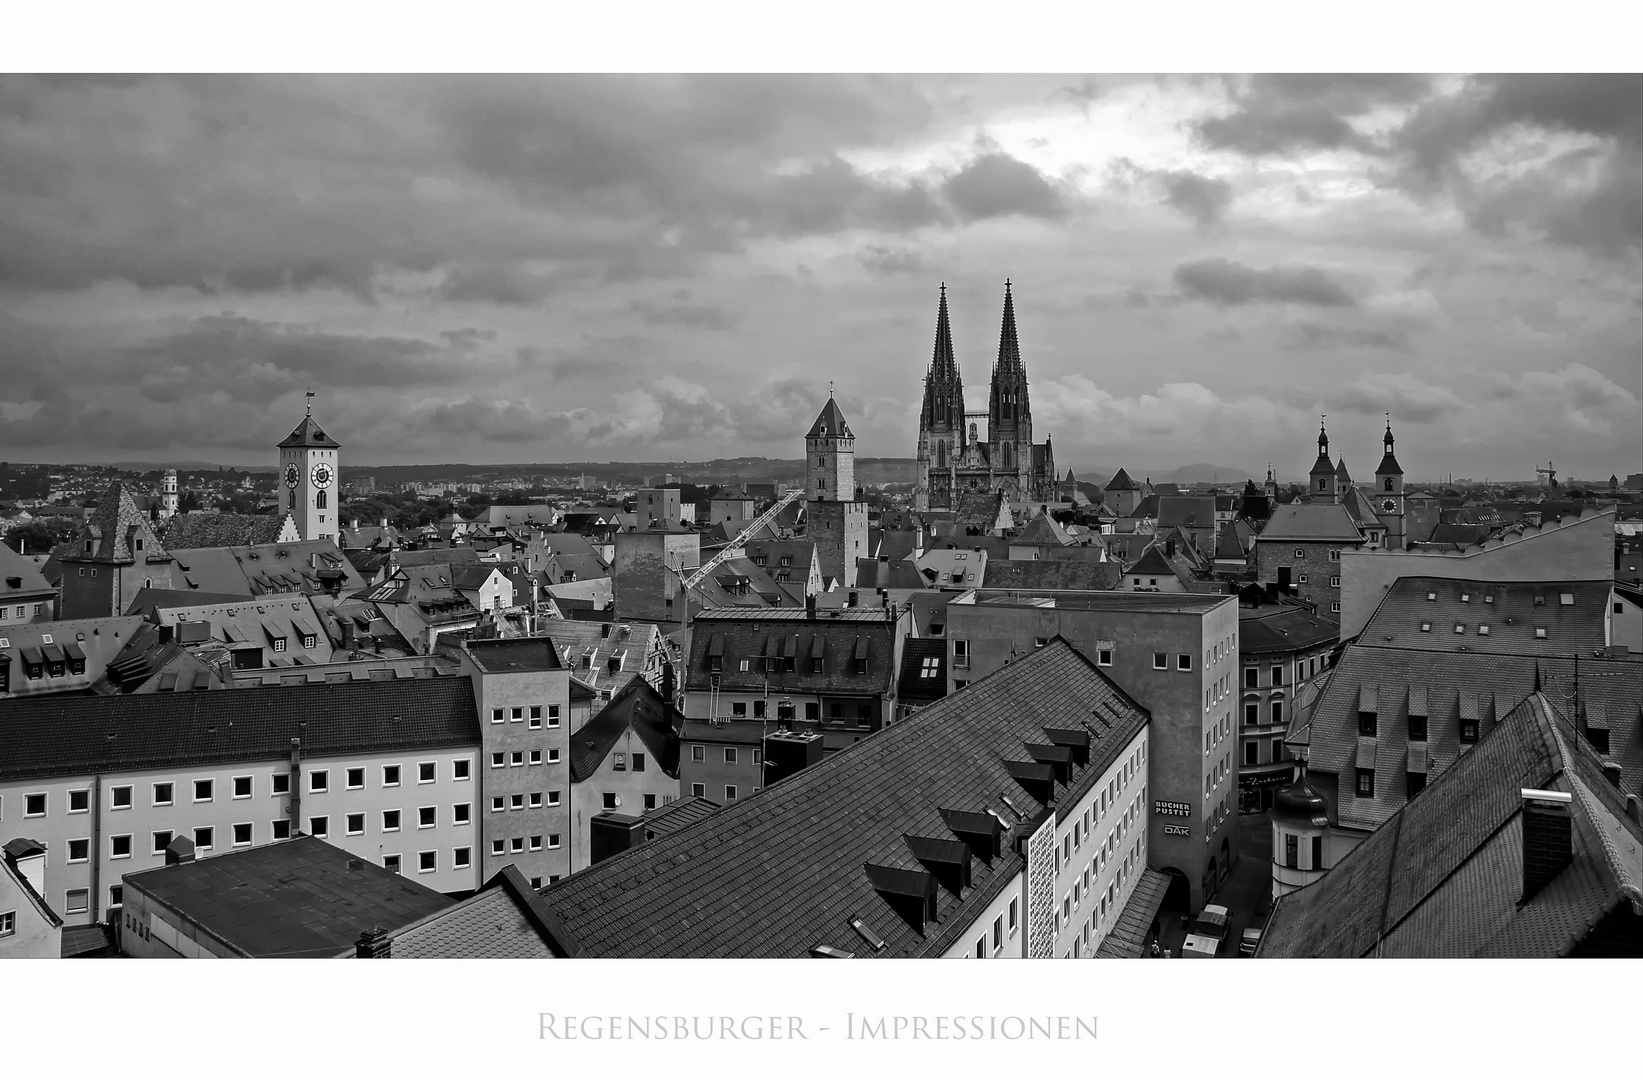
<point x="1172" y="809"/>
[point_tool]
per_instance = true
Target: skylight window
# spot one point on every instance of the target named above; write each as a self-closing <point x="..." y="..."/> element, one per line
<point x="1483" y="629"/>
<point x="1426" y="628"/>
<point x="1432" y="596"/>
<point x="1460" y="628"/>
<point x="1540" y="631"/>
<point x="928" y="669"/>
<point x="1566" y="599"/>
<point x="874" y="942"/>
<point x="1466" y="598"/>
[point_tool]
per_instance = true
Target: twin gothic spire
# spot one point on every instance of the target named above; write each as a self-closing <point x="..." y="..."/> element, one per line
<point x="1007" y="407"/>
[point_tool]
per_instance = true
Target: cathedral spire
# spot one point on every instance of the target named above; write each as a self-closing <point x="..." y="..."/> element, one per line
<point x="943" y="362"/>
<point x="1009" y="348"/>
<point x="943" y="386"/>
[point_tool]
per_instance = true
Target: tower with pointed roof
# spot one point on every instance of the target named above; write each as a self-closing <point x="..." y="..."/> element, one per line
<point x="835" y="516"/>
<point x="954" y="458"/>
<point x="941" y="434"/>
<point x="116" y="556"/>
<point x="1322" y="488"/>
<point x="309" y="467"/>
<point x="1388" y="495"/>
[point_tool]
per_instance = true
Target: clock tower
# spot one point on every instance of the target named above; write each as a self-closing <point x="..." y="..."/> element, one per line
<point x="1388" y="495"/>
<point x="308" y="479"/>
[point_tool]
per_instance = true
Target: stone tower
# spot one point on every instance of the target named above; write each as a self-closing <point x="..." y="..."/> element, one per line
<point x="308" y="477"/>
<point x="941" y="434"/>
<point x="837" y="520"/>
<point x="1009" y="412"/>
<point x="1388" y="496"/>
<point x="168" y="494"/>
<point x="1322" y="488"/>
<point x="116" y="555"/>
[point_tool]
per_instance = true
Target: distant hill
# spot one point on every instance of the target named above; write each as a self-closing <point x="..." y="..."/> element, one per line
<point x="1200" y="473"/>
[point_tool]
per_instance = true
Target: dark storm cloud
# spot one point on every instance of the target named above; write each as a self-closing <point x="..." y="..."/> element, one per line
<point x="1222" y="281"/>
<point x="833" y="195"/>
<point x="1200" y="198"/>
<point x="1304" y="334"/>
<point x="1590" y="197"/>
<point x="882" y="259"/>
<point x="1283" y="114"/>
<point x="995" y="184"/>
<point x="492" y="421"/>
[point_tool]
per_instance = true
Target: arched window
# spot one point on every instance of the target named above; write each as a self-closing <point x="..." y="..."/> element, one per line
<point x="941" y="453"/>
<point x="1389" y="483"/>
<point x="319" y="500"/>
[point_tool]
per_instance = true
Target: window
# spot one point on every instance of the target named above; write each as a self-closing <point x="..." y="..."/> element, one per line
<point x="319" y="780"/>
<point x="499" y="760"/>
<point x="650" y="802"/>
<point x="427" y="817"/>
<point x="516" y="801"/>
<point x="1103" y="658"/>
<point x="460" y="813"/>
<point x="356" y="824"/>
<point x="553" y="798"/>
<point x="1292" y="851"/>
<point x="1335" y="606"/>
<point x="1483" y="629"/>
<point x="499" y="847"/>
<point x="1468" y="730"/>
<point x="242" y="787"/>
<point x="698" y="753"/>
<point x="516" y="844"/>
<point x="961" y="653"/>
<point x="461" y="858"/>
<point x="34" y="805"/>
<point x="1160" y="661"/>
<point x="499" y="803"/>
<point x="203" y="790"/>
<point x="619" y="762"/>
<point x="282" y="783"/>
<point x="282" y="830"/>
<point x="638" y="763"/>
<point x="730" y="755"/>
<point x="1368" y="723"/>
<point x="730" y="792"/>
<point x="498" y="715"/>
<point x="1252" y="753"/>
<point x="79" y="802"/>
<point x="119" y="798"/>
<point x="553" y="716"/>
<point x="1415" y="784"/>
<point x="1417" y="729"/>
<point x="356" y="778"/>
<point x="536" y="843"/>
<point x="1366" y="783"/>
<point x="1540" y="632"/>
<point x="699" y="790"/>
<point x="1013" y="906"/>
<point x="1426" y="628"/>
<point x="536" y="757"/>
<point x="427" y="862"/>
<point x="161" y="840"/>
<point x="318" y="826"/>
<point x="426" y="772"/>
<point x="1301" y="579"/>
<point x="553" y="844"/>
<point x="119" y="847"/>
<point x="204" y="837"/>
<point x="459" y="768"/>
<point x="517" y="758"/>
<point x="79" y="851"/>
<point x="517" y="713"/>
<point x="78" y="901"/>
<point x="390" y="821"/>
<point x="1183" y="662"/>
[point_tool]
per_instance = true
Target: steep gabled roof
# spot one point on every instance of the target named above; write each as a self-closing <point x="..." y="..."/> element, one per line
<point x="1444" y="877"/>
<point x="1043" y="529"/>
<point x="1121" y="482"/>
<point x="639" y="709"/>
<point x="786" y="869"/>
<point x="114" y="532"/>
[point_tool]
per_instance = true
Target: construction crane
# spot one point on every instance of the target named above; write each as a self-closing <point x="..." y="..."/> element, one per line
<point x="700" y="573"/>
<point x="1549" y="473"/>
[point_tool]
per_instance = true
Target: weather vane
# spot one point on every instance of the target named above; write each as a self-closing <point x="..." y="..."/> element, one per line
<point x="310" y="403"/>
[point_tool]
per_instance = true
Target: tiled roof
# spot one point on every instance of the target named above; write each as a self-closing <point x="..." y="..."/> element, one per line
<point x="1152" y="562"/>
<point x="587" y="648"/>
<point x="922" y="682"/>
<point x="1444" y="877"/>
<point x="888" y="574"/>
<point x="1453" y="684"/>
<point x="1192" y="511"/>
<point x="258" y="622"/>
<point x="221" y="530"/>
<point x="310" y="566"/>
<point x="25" y="572"/>
<point x="671" y="817"/>
<point x="291" y="898"/>
<point x="829" y="422"/>
<point x="981" y="510"/>
<point x="638" y="708"/>
<point x="114" y="530"/>
<point x="1281" y="629"/>
<point x="76" y="736"/>
<point x="1514" y="613"/>
<point x="1311" y="521"/>
<point x="836" y="637"/>
<point x="1121" y="482"/>
<point x="1034" y="574"/>
<point x="786" y="869"/>
<point x="308" y="433"/>
<point x="497" y="923"/>
<point x="100" y="640"/>
<point x="1043" y="529"/>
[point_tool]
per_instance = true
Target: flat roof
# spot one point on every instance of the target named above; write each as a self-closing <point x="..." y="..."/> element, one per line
<point x="292" y="898"/>
<point x="1092" y="600"/>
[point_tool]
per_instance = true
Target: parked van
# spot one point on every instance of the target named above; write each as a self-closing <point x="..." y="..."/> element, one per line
<point x="1209" y="933"/>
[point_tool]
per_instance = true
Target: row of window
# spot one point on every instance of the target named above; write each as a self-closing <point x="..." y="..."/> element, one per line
<point x="19" y="613"/>
<point x="521" y="800"/>
<point x="520" y="713"/>
<point x="1252" y="713"/>
<point x="1334" y="581"/>
<point x="700" y="791"/>
<point x="164" y="793"/>
<point x="502" y="759"/>
<point x="732" y="754"/>
<point x="517" y="845"/>
<point x="1369" y="724"/>
<point x="1252" y="751"/>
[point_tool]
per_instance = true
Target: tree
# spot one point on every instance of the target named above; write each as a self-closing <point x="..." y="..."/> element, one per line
<point x="41" y="534"/>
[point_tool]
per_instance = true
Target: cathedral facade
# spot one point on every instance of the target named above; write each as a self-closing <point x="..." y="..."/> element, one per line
<point x="953" y="458"/>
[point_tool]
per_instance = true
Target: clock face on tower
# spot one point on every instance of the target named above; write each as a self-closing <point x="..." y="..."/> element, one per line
<point x="1389" y="505"/>
<point x="292" y="475"/>
<point x="321" y="475"/>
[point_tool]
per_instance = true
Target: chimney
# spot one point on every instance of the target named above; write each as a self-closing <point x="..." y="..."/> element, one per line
<point x="855" y="598"/>
<point x="788" y="752"/>
<point x="1169" y="547"/>
<point x="374" y="944"/>
<point x="1548" y="838"/>
<point x="1611" y="773"/>
<point x="384" y="523"/>
<point x="611" y="834"/>
<point x="810" y="606"/>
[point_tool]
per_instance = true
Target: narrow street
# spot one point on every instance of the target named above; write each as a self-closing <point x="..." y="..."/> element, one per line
<point x="1246" y="893"/>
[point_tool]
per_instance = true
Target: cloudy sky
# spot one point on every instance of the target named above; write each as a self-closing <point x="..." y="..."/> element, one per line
<point x="495" y="269"/>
